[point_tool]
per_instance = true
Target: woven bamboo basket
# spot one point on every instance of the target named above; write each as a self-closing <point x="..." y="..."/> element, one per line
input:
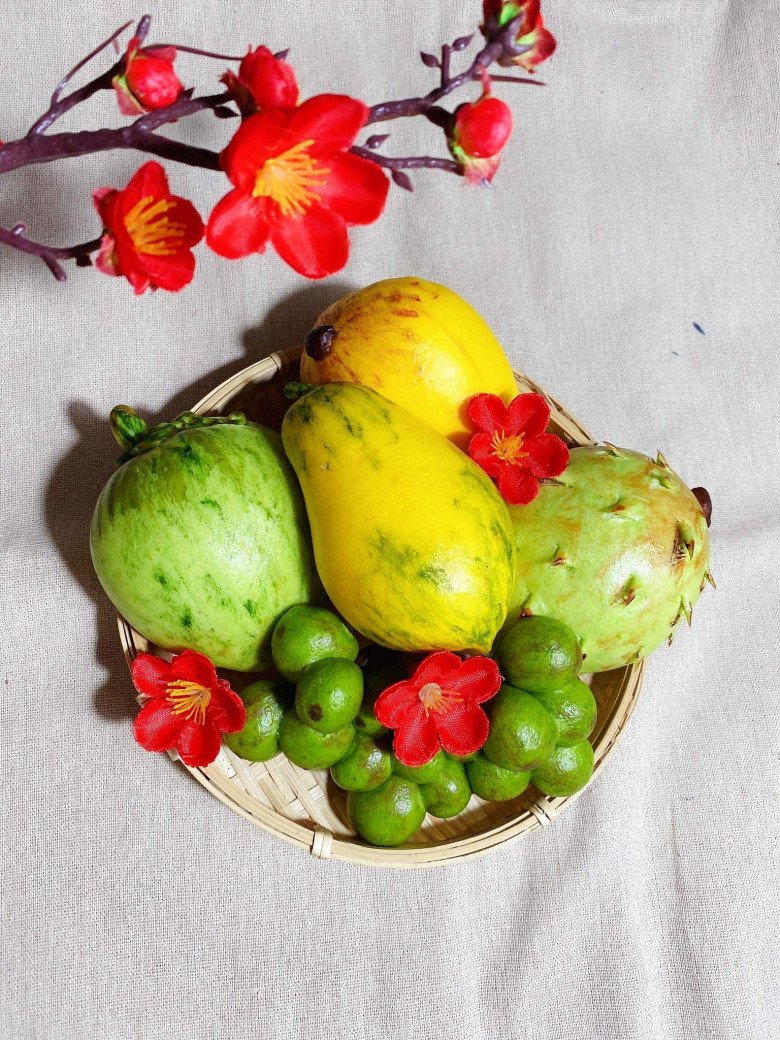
<point x="306" y="808"/>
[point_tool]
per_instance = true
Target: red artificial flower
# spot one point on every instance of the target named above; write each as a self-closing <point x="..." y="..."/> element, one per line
<point x="263" y="81"/>
<point x="512" y="447"/>
<point x="297" y="185"/>
<point x="148" y="81"/>
<point x="537" y="41"/>
<point x="482" y="128"/>
<point x="439" y="707"/>
<point x="188" y="706"/>
<point x="149" y="233"/>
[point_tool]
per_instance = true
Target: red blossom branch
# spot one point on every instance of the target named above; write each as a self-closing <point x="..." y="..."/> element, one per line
<point x="502" y="43"/>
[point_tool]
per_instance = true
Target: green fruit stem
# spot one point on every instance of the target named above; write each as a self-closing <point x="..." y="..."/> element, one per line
<point x="134" y="435"/>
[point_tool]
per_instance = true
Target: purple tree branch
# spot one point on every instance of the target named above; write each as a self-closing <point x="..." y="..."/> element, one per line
<point x="51" y="255"/>
<point x="408" y="162"/>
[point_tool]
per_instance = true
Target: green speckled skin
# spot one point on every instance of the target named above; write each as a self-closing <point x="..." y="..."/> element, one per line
<point x="412" y="540"/>
<point x="618" y="551"/>
<point x="203" y="542"/>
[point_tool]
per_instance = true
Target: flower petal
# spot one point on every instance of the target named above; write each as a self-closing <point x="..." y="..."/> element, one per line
<point x="198" y="745"/>
<point x="482" y="451"/>
<point x="542" y="44"/>
<point x="155" y="727"/>
<point x="464" y="730"/>
<point x="488" y="413"/>
<point x="259" y="138"/>
<point x="150" y="675"/>
<point x="226" y="708"/>
<point x="416" y="741"/>
<point x="548" y="456"/>
<point x="332" y="121"/>
<point x="392" y="704"/>
<point x="528" y="414"/>
<point x="162" y="272"/>
<point x="315" y="244"/>
<point x="238" y="226"/>
<point x="477" y="680"/>
<point x="517" y="486"/>
<point x="149" y="179"/>
<point x="194" y="667"/>
<point x="435" y="668"/>
<point x="356" y="189"/>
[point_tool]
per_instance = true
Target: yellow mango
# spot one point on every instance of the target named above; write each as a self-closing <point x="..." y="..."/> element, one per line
<point x="412" y="541"/>
<point x="419" y="344"/>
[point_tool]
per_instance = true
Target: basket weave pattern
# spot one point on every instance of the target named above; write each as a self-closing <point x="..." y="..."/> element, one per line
<point x="306" y="808"/>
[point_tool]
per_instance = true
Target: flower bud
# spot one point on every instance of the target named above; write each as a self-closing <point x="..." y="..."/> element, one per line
<point x="483" y="127"/>
<point x="149" y="80"/>
<point x="263" y="81"/>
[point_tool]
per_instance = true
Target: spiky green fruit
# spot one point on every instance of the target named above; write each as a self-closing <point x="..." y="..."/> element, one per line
<point x="617" y="549"/>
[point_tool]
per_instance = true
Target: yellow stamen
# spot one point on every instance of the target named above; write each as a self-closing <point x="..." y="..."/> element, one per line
<point x="150" y="230"/>
<point x="291" y="179"/>
<point x="189" y="699"/>
<point x="508" y="447"/>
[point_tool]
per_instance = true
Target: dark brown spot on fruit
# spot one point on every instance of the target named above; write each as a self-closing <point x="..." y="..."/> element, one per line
<point x="319" y="342"/>
<point x="702" y="496"/>
<point x="315" y="713"/>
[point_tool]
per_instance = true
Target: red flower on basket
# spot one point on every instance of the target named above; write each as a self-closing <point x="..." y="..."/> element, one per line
<point x="149" y="233"/>
<point x="188" y="706"/>
<point x="263" y="81"/>
<point x="512" y="447"/>
<point x="149" y="80"/>
<point x="532" y="35"/>
<point x="439" y="707"/>
<point x="297" y="186"/>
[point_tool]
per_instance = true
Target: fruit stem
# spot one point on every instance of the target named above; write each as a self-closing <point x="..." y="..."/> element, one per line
<point x="127" y="426"/>
<point x="292" y="391"/>
<point x="318" y="343"/>
<point x="702" y="496"/>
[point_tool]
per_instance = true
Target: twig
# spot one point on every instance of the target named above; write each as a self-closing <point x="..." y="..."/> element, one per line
<point x="408" y="162"/>
<point x="51" y="255"/>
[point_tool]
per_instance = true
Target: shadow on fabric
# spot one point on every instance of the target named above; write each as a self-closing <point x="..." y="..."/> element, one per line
<point x="80" y="475"/>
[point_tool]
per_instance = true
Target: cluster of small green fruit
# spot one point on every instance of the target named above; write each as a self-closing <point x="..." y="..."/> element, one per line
<point x="320" y="714"/>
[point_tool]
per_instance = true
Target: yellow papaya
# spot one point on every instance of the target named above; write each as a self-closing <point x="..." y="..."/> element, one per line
<point x="412" y="541"/>
<point x="418" y="344"/>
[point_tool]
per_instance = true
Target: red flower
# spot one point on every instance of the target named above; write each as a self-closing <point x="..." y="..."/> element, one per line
<point x="439" y="707"/>
<point x="188" y="706"/>
<point x="298" y="186"/>
<point x="482" y="128"/>
<point x="263" y="81"/>
<point x="149" y="233"/>
<point x="149" y="80"/>
<point x="531" y="33"/>
<point x="512" y="446"/>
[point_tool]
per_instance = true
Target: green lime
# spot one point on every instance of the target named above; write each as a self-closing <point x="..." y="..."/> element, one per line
<point x="574" y="710"/>
<point x="304" y="635"/>
<point x="421" y="774"/>
<point x="494" y="783"/>
<point x="366" y="721"/>
<point x="364" y="767"/>
<point x="522" y="732"/>
<point x="539" y="654"/>
<point x="329" y="695"/>
<point x="264" y="702"/>
<point x="389" y="815"/>
<point x="307" y="748"/>
<point x="565" y="771"/>
<point x="449" y="794"/>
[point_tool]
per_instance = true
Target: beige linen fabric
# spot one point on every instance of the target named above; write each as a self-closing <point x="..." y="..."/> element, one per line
<point x="639" y="195"/>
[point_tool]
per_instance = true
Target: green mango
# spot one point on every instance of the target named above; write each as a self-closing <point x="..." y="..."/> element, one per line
<point x="200" y="538"/>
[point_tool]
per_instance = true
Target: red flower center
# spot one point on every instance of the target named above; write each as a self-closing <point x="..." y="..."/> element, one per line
<point x="189" y="699"/>
<point x="291" y="179"/>
<point x="508" y="447"/>
<point x="150" y="230"/>
<point x="434" y="699"/>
